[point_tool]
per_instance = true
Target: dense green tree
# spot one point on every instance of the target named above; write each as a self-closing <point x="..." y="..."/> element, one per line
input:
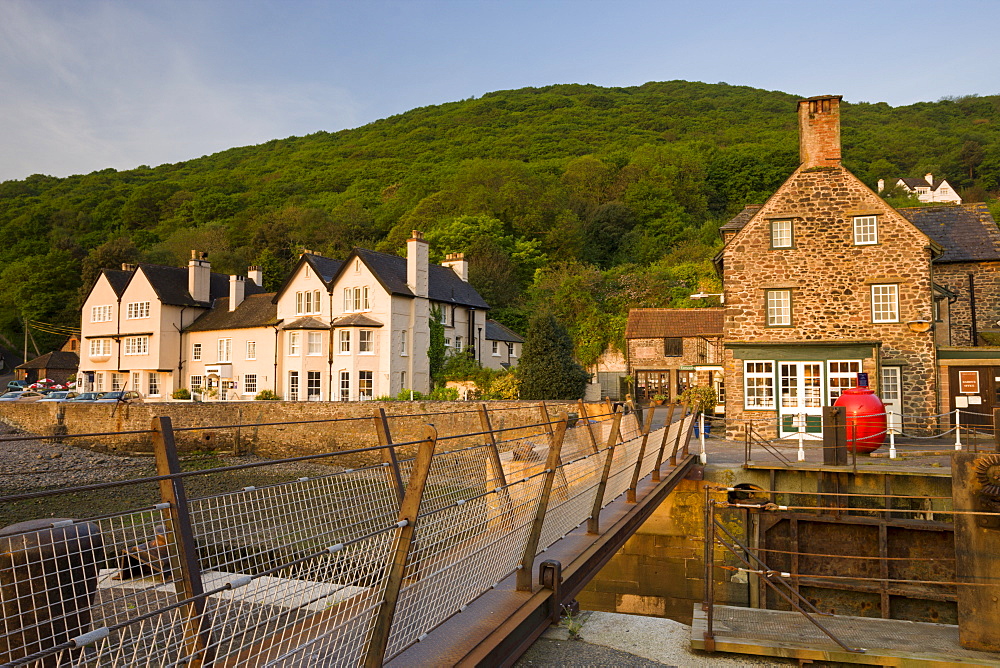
<point x="436" y="351"/>
<point x="547" y="369"/>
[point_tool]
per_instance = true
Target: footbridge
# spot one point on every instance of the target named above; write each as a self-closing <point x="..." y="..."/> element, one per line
<point x="444" y="549"/>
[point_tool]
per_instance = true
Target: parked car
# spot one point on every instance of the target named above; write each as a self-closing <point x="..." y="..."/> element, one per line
<point x="130" y="396"/>
<point x="27" y="395"/>
<point x="17" y="385"/>
<point x="86" y="396"/>
<point x="58" y="395"/>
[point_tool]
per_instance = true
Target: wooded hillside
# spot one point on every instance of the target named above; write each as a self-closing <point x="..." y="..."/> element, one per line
<point x="576" y="198"/>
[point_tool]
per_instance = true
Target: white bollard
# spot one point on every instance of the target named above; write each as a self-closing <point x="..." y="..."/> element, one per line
<point x="892" y="440"/>
<point x="703" y="457"/>
<point x="958" y="429"/>
<point x="801" y="419"/>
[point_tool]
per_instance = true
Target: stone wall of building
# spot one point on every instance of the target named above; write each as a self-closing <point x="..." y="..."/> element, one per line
<point x="281" y="428"/>
<point x="986" y="279"/>
<point x="830" y="280"/>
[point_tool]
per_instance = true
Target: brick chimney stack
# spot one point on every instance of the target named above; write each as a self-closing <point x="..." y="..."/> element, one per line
<point x="819" y="131"/>
<point x="416" y="264"/>
<point x="199" y="276"/>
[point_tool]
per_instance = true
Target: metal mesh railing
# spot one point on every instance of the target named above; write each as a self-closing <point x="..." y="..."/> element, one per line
<point x="341" y="568"/>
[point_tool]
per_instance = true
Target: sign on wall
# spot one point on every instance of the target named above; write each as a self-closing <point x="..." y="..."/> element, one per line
<point x="968" y="382"/>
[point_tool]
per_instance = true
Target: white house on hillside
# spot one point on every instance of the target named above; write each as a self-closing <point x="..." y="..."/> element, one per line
<point x="926" y="189"/>
<point x="335" y="331"/>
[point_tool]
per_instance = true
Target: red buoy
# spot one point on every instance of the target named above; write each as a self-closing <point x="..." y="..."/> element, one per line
<point x="866" y="419"/>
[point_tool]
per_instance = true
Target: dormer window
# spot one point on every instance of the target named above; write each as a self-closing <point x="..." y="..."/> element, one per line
<point x="307" y="302"/>
<point x="781" y="234"/>
<point x="865" y="230"/>
<point x="356" y="299"/>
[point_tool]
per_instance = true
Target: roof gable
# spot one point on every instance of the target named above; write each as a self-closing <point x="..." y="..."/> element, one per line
<point x="497" y="332"/>
<point x="326" y="268"/>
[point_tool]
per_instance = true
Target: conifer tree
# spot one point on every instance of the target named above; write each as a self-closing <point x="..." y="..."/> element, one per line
<point x="547" y="368"/>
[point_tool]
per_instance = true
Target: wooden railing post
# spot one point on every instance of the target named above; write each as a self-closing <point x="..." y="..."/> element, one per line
<point x="543" y="407"/>
<point x="611" y="410"/>
<point x="184" y="558"/>
<point x="687" y="441"/>
<point x="663" y="443"/>
<point x="491" y="446"/>
<point x="594" y="523"/>
<point x="408" y="511"/>
<point x="524" y="574"/>
<point x="590" y="427"/>
<point x="678" y="437"/>
<point x="642" y="455"/>
<point x="388" y="453"/>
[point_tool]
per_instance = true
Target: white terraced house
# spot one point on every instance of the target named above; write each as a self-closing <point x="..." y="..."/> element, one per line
<point x="335" y="331"/>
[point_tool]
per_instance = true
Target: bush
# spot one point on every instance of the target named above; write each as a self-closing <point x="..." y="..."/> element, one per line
<point x="701" y="399"/>
<point x="500" y="385"/>
<point x="443" y="394"/>
<point x="267" y="395"/>
<point x="181" y="393"/>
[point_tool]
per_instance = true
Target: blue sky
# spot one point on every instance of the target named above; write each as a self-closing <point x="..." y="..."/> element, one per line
<point x="89" y="84"/>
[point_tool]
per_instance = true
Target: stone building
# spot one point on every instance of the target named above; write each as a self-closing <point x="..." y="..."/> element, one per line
<point x="670" y="350"/>
<point x="826" y="280"/>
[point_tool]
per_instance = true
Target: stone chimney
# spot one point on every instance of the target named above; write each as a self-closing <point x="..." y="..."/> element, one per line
<point x="819" y="131"/>
<point x="416" y="264"/>
<point x="457" y="263"/>
<point x="237" y="290"/>
<point x="128" y="267"/>
<point x="256" y="274"/>
<point x="929" y="178"/>
<point x="199" y="276"/>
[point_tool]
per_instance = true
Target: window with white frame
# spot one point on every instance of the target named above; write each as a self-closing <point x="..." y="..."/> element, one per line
<point x="100" y="313"/>
<point x="293" y="385"/>
<point x="496" y="348"/>
<point x="841" y="375"/>
<point x="196" y="352"/>
<point x="779" y="308"/>
<point x="116" y="381"/>
<point x="865" y="230"/>
<point x="294" y="343"/>
<point x="366" y="341"/>
<point x="758" y="385"/>
<point x="447" y="342"/>
<point x="314" y="343"/>
<point x="100" y="347"/>
<point x="136" y="380"/>
<point x="885" y="303"/>
<point x="458" y="344"/>
<point x="251" y="350"/>
<point x="345" y="341"/>
<point x="196" y="383"/>
<point x="99" y="382"/>
<point x="307" y="302"/>
<point x="345" y="385"/>
<point x="136" y="310"/>
<point x="510" y="350"/>
<point x="250" y="383"/>
<point x="781" y="234"/>
<point x="365" y="385"/>
<point x="153" y="384"/>
<point x="225" y="350"/>
<point x="313" y="386"/>
<point x="402" y="343"/>
<point x="136" y="345"/>
<point x="356" y="299"/>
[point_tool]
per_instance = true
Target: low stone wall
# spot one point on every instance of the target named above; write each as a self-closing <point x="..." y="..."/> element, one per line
<point x="280" y="428"/>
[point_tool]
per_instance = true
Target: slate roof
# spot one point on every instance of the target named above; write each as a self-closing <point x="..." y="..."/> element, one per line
<point x="914" y="182"/>
<point x="325" y="267"/>
<point x="444" y="285"/>
<point x="118" y="279"/>
<point x="967" y="232"/>
<point x="356" y="320"/>
<point x="171" y="284"/>
<point x="57" y="359"/>
<point x="254" y="311"/>
<point x="308" y="322"/>
<point x="742" y="218"/>
<point x="663" y="323"/>
<point x="497" y="332"/>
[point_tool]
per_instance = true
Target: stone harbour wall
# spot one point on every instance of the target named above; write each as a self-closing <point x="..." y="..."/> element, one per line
<point x="276" y="429"/>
